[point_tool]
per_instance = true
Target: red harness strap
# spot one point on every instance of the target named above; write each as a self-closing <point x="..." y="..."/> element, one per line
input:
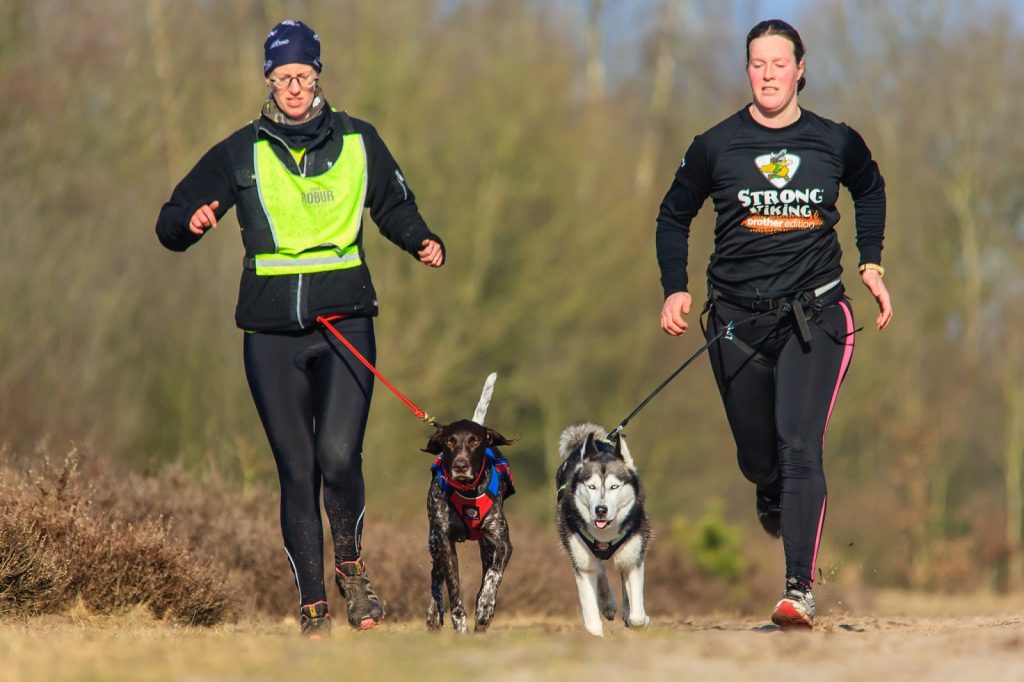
<point x="472" y="506"/>
<point x="472" y="510"/>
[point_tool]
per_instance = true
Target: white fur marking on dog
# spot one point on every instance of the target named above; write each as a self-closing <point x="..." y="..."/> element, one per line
<point x="485" y="399"/>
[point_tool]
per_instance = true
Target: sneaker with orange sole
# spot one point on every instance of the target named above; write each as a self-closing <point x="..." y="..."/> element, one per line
<point x="364" y="608"/>
<point x="314" y="621"/>
<point x="796" y="608"/>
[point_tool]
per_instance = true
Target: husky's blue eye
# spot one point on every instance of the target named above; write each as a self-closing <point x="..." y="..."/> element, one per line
<point x="615" y="487"/>
<point x="592" y="487"/>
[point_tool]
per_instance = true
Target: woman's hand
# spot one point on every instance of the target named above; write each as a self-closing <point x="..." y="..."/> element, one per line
<point x="431" y="254"/>
<point x="204" y="218"/>
<point x="873" y="281"/>
<point x="672" y="311"/>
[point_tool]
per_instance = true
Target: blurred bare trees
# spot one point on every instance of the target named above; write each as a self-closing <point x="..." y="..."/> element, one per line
<point x="542" y="168"/>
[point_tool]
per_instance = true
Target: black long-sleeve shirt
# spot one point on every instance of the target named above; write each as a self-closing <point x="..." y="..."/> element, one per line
<point x="286" y="302"/>
<point x="774" y="192"/>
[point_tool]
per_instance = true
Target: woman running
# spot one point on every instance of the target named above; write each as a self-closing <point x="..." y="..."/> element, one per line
<point x="300" y="176"/>
<point x="773" y="170"/>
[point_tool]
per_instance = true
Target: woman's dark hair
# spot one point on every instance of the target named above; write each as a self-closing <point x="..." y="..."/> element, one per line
<point x="778" y="27"/>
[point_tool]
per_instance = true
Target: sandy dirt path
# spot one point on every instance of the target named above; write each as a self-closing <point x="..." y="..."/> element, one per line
<point x="888" y="646"/>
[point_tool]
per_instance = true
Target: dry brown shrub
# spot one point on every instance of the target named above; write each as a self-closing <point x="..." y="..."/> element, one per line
<point x="125" y="565"/>
<point x="236" y="532"/>
<point x="30" y="576"/>
<point x="86" y="552"/>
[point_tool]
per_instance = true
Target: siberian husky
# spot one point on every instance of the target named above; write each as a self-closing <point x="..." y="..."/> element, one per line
<point x="600" y="516"/>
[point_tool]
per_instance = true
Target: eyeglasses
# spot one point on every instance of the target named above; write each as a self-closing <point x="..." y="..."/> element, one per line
<point x="306" y="81"/>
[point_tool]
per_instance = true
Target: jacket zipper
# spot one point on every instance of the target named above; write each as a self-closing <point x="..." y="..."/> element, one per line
<point x="298" y="287"/>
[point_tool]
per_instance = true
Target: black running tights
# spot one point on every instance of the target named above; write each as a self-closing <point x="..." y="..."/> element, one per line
<point x="778" y="394"/>
<point x="313" y="397"/>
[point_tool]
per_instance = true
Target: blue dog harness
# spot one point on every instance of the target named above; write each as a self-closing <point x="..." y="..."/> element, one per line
<point x="471" y="504"/>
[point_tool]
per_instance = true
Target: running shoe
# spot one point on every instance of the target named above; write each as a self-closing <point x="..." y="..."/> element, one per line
<point x="364" y="607"/>
<point x="796" y="608"/>
<point x="314" y="620"/>
<point x="769" y="513"/>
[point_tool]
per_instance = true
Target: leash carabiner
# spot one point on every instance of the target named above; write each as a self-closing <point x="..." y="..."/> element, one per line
<point x="326" y="322"/>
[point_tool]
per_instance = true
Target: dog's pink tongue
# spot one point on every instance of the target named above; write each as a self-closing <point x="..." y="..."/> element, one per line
<point x="601" y="523"/>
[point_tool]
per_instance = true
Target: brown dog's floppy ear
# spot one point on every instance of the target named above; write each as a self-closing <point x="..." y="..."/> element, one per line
<point x="434" y="445"/>
<point x="495" y="438"/>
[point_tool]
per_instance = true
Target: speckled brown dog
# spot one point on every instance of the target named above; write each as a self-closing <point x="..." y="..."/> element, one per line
<point x="466" y="502"/>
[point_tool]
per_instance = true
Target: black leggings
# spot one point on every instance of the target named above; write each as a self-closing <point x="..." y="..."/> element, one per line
<point x="313" y="397"/>
<point x="779" y="393"/>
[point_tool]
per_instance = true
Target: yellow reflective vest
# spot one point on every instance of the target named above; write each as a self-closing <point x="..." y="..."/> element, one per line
<point x="314" y="221"/>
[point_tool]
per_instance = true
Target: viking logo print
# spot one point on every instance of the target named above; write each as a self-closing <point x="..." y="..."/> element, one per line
<point x="779" y="167"/>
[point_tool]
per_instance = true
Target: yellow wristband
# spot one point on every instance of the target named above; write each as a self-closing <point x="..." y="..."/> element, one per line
<point x="873" y="266"/>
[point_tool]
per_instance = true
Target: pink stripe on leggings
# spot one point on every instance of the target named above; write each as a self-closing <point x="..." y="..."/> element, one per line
<point x="847" y="355"/>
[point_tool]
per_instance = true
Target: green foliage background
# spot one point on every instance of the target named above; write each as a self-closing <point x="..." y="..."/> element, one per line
<point x="545" y="183"/>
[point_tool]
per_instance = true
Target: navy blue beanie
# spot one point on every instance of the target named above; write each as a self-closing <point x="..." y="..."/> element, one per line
<point x="291" y="42"/>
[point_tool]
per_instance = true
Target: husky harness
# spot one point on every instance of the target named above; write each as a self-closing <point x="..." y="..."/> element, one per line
<point x="601" y="549"/>
<point x="469" y="502"/>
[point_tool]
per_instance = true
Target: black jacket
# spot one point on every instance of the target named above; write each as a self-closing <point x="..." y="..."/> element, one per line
<point x="292" y="302"/>
<point x="775" y="233"/>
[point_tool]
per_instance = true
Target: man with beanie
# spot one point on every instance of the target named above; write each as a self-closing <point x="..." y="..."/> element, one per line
<point x="300" y="176"/>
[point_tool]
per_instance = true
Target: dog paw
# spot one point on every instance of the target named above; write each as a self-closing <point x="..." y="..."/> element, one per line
<point x="435" y="617"/>
<point x="595" y="630"/>
<point x="459" y="623"/>
<point x="638" y="622"/>
<point x="608" y="611"/>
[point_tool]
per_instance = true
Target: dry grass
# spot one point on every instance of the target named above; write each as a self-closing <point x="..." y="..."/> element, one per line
<point x="133" y="646"/>
<point x="202" y="553"/>
<point x="61" y="546"/>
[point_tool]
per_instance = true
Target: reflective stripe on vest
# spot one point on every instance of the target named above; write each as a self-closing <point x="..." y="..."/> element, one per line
<point x="315" y="221"/>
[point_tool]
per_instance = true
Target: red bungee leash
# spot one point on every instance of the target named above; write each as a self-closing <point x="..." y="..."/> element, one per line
<point x="326" y="322"/>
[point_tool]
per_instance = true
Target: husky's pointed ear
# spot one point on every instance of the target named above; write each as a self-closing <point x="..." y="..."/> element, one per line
<point x="589" y="448"/>
<point x="495" y="438"/>
<point x="434" y="445"/>
<point x="622" y="450"/>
